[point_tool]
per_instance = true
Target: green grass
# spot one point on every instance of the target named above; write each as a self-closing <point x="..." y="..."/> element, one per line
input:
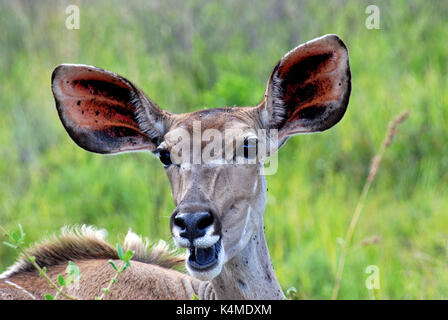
<point x="193" y="54"/>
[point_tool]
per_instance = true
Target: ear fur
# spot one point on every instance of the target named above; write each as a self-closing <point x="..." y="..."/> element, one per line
<point x="103" y="112"/>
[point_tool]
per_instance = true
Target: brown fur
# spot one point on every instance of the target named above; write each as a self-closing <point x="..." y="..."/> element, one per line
<point x="140" y="281"/>
<point x="88" y="249"/>
<point x="87" y="243"/>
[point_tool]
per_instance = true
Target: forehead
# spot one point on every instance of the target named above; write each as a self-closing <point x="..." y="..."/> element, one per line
<point x="225" y="120"/>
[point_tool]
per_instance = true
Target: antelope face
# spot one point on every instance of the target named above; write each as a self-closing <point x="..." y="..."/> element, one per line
<point x="213" y="158"/>
<point x="220" y="197"/>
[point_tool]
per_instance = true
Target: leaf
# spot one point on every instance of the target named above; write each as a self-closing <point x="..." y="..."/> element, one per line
<point x="120" y="252"/>
<point x="49" y="297"/>
<point x="113" y="265"/>
<point x="125" y="266"/>
<point x="10" y="244"/>
<point x="22" y="234"/>
<point x="43" y="271"/>
<point x="128" y="255"/>
<point x="291" y="292"/>
<point x="69" y="279"/>
<point x="73" y="270"/>
<point x="61" y="280"/>
<point x="15" y="236"/>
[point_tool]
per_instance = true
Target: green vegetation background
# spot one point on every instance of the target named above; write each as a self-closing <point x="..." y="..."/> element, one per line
<point x="193" y="54"/>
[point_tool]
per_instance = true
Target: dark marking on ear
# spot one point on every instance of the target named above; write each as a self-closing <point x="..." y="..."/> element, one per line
<point x="78" y="103"/>
<point x="120" y="132"/>
<point x="311" y="113"/>
<point x="301" y="71"/>
<point x="110" y="109"/>
<point x="112" y="136"/>
<point x="298" y="95"/>
<point x="105" y="89"/>
<point x="296" y="88"/>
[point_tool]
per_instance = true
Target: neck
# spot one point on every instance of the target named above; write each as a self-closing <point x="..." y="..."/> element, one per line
<point x="249" y="275"/>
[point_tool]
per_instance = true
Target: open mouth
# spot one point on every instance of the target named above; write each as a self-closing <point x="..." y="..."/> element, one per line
<point x="202" y="259"/>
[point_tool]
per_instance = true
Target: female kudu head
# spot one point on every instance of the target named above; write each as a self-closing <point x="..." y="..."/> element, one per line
<point x="212" y="157"/>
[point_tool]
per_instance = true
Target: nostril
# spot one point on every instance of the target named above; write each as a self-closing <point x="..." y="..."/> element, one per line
<point x="205" y="221"/>
<point x="179" y="221"/>
<point x="193" y="225"/>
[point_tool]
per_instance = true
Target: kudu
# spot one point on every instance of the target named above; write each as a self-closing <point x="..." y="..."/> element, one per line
<point x="220" y="203"/>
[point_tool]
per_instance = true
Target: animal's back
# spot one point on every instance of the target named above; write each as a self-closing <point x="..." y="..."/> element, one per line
<point x="151" y="274"/>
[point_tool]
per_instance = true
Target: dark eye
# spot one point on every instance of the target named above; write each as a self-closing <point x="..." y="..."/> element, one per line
<point x="250" y="148"/>
<point x="165" y="157"/>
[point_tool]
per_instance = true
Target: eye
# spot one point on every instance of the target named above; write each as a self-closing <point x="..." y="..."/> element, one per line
<point x="250" y="148"/>
<point x="165" y="157"/>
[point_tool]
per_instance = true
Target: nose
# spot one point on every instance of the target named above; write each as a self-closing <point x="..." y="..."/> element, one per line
<point x="193" y="225"/>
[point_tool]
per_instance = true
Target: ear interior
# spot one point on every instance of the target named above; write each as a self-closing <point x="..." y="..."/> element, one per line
<point x="99" y="109"/>
<point x="310" y="87"/>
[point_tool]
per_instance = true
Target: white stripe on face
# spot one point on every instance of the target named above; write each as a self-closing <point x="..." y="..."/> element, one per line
<point x="206" y="241"/>
<point x="178" y="240"/>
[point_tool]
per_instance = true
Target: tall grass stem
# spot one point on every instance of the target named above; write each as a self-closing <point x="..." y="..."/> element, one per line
<point x="374" y="166"/>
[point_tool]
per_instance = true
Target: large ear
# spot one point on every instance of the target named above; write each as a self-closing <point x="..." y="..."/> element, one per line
<point x="103" y="112"/>
<point x="309" y="88"/>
